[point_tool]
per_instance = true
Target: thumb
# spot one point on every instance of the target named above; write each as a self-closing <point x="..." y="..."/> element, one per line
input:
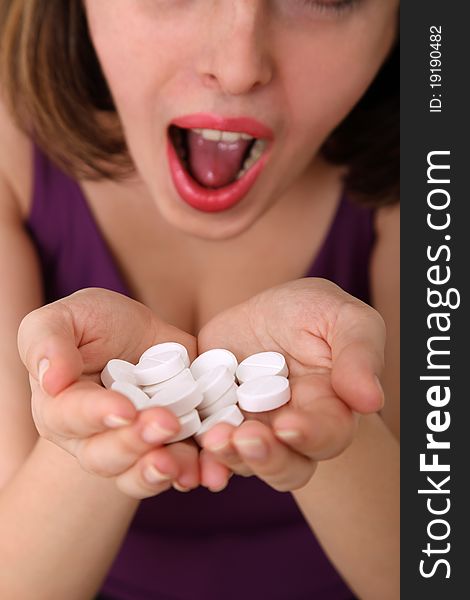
<point x="48" y="347"/>
<point x="357" y="344"/>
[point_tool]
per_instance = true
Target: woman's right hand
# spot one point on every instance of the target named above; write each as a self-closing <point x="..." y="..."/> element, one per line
<point x="65" y="345"/>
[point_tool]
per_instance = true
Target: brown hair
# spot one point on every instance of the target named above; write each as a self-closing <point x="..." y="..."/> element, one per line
<point x="52" y="82"/>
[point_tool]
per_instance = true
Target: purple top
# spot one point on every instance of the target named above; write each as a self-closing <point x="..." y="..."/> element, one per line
<point x="248" y="541"/>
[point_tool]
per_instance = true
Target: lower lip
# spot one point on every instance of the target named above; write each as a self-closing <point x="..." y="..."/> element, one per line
<point x="205" y="199"/>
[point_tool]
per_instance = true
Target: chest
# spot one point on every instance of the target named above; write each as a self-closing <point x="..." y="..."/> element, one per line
<point x="187" y="282"/>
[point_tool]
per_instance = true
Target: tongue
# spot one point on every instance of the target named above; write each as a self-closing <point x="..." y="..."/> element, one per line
<point x="215" y="164"/>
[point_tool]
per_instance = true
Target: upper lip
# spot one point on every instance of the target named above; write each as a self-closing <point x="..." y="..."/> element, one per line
<point x="247" y="125"/>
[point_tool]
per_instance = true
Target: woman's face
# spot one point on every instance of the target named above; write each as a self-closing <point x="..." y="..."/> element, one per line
<point x="285" y="72"/>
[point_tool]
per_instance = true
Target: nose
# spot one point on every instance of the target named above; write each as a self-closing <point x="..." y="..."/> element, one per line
<point x="235" y="58"/>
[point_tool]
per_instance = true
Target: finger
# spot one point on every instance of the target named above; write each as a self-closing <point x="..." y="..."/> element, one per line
<point x="218" y="441"/>
<point x="272" y="461"/>
<point x="109" y="324"/>
<point x="83" y="409"/>
<point x="214" y="474"/>
<point x="315" y="423"/>
<point x="357" y="345"/>
<point x="158" y="469"/>
<point x="111" y="453"/>
<point x="48" y="347"/>
<point x="187" y="455"/>
<point x="81" y="332"/>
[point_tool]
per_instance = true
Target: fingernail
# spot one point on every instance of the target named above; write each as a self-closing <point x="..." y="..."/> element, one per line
<point x="216" y="490"/>
<point x="153" y="433"/>
<point x="381" y="390"/>
<point x="115" y="421"/>
<point x="218" y="447"/>
<point x="153" y="475"/>
<point x="180" y="488"/>
<point x="288" y="435"/>
<point x="43" y="365"/>
<point x="253" y="448"/>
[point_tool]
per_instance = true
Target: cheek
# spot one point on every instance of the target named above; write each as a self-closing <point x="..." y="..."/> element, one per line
<point x="330" y="76"/>
<point x="138" y="55"/>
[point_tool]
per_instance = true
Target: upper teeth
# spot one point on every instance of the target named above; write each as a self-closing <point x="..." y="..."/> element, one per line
<point x="214" y="135"/>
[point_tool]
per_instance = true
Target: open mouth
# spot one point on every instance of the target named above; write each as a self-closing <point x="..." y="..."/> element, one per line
<point x="214" y="158"/>
<point x="213" y="168"/>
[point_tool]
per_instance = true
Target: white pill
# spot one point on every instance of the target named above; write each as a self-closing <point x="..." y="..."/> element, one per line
<point x="117" y="370"/>
<point x="214" y="383"/>
<point x="183" y="377"/>
<point x="190" y="424"/>
<point x="264" y="393"/>
<point x="211" y="359"/>
<point x="231" y="415"/>
<point x="138" y="398"/>
<point x="160" y="368"/>
<point x="230" y="397"/>
<point x="167" y="347"/>
<point x="180" y="398"/>
<point x="261" y="365"/>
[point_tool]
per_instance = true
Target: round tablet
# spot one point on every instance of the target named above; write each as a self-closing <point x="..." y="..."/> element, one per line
<point x="231" y="415"/>
<point x="230" y="397"/>
<point x="261" y="365"/>
<point x="167" y="347"/>
<point x="213" y="384"/>
<point x="190" y="423"/>
<point x="183" y="377"/>
<point x="117" y="370"/>
<point x="180" y="398"/>
<point x="161" y="367"/>
<point x="138" y="398"/>
<point x="264" y="393"/>
<point x="211" y="359"/>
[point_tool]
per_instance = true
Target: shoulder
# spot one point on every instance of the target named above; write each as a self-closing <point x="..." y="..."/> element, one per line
<point x="385" y="291"/>
<point x="386" y="253"/>
<point x="385" y="263"/>
<point x="387" y="220"/>
<point x="16" y="161"/>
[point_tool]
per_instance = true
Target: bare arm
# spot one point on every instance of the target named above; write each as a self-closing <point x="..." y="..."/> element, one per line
<point x="352" y="502"/>
<point x="45" y="550"/>
<point x="352" y="505"/>
<point x="61" y="528"/>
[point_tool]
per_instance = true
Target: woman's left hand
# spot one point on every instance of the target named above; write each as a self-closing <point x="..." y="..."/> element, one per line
<point x="333" y="344"/>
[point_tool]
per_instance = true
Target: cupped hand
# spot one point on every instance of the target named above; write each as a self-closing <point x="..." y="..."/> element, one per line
<point x="334" y="346"/>
<point x="65" y="345"/>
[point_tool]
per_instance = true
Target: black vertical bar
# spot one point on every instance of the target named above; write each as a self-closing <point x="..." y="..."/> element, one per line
<point x="424" y="132"/>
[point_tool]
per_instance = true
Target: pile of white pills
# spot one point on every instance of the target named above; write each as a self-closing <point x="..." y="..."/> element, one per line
<point x="203" y="393"/>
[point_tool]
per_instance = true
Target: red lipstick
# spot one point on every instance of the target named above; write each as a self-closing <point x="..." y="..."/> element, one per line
<point x="216" y="200"/>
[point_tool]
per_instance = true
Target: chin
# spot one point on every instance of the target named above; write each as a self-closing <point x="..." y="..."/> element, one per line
<point x="207" y="226"/>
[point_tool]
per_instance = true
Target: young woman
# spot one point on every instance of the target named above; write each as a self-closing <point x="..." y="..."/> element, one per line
<point x="199" y="171"/>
